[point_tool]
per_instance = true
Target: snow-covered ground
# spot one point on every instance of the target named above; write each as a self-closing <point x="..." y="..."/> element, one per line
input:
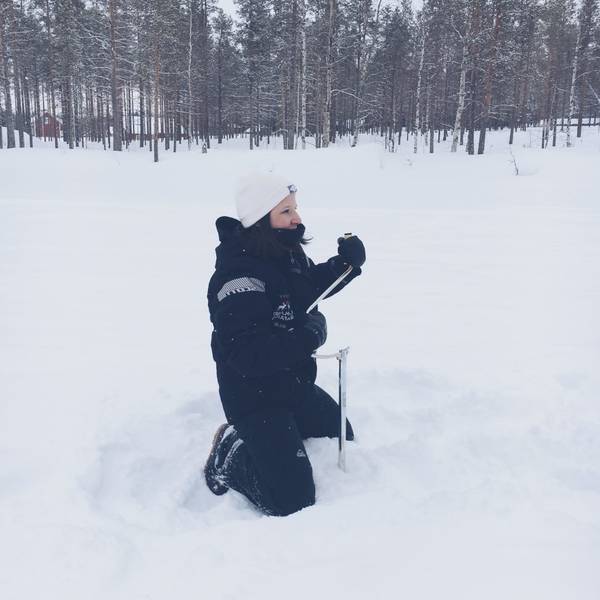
<point x="474" y="380"/>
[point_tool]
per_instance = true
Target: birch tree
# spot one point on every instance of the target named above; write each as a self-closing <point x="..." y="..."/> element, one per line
<point x="462" y="86"/>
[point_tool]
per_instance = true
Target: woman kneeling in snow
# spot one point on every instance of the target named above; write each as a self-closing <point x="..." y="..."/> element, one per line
<point x="263" y="341"/>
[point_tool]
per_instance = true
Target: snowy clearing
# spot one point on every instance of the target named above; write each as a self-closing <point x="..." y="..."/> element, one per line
<point x="474" y="383"/>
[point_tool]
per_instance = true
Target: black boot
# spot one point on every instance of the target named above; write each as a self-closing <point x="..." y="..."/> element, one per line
<point x="224" y="439"/>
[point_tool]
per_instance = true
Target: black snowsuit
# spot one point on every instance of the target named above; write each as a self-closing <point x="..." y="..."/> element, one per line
<point x="265" y="371"/>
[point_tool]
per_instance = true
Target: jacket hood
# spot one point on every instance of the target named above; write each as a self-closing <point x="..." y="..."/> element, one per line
<point x="227" y="227"/>
<point x="232" y="243"/>
<point x="235" y="245"/>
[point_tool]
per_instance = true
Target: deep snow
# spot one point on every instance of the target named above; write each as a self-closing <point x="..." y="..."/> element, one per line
<point x="474" y="385"/>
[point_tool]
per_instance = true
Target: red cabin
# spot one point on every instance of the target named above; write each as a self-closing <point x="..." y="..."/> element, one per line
<point x="44" y="126"/>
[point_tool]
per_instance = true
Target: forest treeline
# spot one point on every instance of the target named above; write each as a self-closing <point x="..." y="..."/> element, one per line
<point x="163" y="73"/>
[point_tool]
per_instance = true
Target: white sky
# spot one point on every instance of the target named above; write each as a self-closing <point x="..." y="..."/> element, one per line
<point x="229" y="7"/>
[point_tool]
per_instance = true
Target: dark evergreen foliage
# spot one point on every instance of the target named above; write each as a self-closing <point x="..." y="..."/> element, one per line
<point x="294" y="71"/>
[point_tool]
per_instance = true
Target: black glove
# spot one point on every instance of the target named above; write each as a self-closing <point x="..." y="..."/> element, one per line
<point x="316" y="326"/>
<point x="352" y="251"/>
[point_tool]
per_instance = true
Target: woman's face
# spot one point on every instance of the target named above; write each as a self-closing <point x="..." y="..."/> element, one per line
<point x="285" y="214"/>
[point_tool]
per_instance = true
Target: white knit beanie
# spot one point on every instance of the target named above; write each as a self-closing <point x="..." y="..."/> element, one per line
<point x="258" y="193"/>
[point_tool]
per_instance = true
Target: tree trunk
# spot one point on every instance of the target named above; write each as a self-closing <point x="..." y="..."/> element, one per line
<point x="142" y="113"/>
<point x="303" y="80"/>
<point x="38" y="92"/>
<point x="513" y="112"/>
<point x="471" y="130"/>
<point x="18" y="103"/>
<point x="220" y="91"/>
<point x="251" y="115"/>
<point x="329" y="58"/>
<point x="489" y="76"/>
<point x="156" y="87"/>
<point x="572" y="104"/>
<point x="115" y="83"/>
<point x="418" y="94"/>
<point x="205" y="52"/>
<point x="190" y="100"/>
<point x="430" y="120"/>
<point x="130" y="120"/>
<point x="461" y="92"/>
<point x="101" y="124"/>
<point x="71" y="111"/>
<point x="8" y="116"/>
<point x="149" y="118"/>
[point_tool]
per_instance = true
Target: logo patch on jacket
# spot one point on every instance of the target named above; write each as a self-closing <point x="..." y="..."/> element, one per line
<point x="241" y="285"/>
<point x="284" y="311"/>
